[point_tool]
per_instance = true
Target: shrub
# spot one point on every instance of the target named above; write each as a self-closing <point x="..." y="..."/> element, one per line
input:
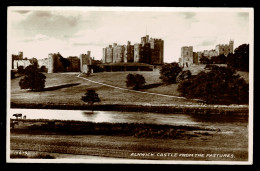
<point x="169" y="72"/>
<point x="183" y="76"/>
<point x="219" y="86"/>
<point x="136" y="81"/>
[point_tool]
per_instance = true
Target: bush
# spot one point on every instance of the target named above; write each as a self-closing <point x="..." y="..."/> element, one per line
<point x="135" y="81"/>
<point x="43" y="69"/>
<point x="183" y="76"/>
<point x="33" y="79"/>
<point x="219" y="86"/>
<point x="169" y="72"/>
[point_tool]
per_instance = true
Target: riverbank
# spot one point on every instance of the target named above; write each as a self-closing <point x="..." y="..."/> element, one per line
<point x="173" y="109"/>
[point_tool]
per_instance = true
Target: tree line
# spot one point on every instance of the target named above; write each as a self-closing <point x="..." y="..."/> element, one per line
<point x="239" y="60"/>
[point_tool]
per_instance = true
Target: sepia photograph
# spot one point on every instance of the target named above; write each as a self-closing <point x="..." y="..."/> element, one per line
<point x="134" y="85"/>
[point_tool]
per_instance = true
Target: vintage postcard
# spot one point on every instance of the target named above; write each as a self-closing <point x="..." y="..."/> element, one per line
<point x="130" y="85"/>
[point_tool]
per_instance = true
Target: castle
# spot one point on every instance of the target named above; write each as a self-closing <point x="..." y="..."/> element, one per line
<point x="188" y="57"/>
<point x="55" y="62"/>
<point x="149" y="51"/>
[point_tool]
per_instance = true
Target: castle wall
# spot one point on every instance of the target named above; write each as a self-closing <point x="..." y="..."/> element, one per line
<point x="109" y="54"/>
<point x="118" y="53"/>
<point x="54" y="64"/>
<point x="43" y="62"/>
<point x="225" y="48"/>
<point x="137" y="49"/>
<point x="74" y="64"/>
<point x="23" y="63"/>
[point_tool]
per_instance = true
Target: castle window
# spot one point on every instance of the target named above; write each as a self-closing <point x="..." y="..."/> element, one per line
<point x="187" y="53"/>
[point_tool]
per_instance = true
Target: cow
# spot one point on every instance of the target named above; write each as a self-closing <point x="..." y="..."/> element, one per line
<point x="18" y="115"/>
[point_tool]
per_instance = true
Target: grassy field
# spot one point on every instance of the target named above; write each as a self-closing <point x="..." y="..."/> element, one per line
<point x="67" y="88"/>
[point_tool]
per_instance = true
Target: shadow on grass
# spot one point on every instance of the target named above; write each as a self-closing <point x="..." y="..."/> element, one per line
<point x="60" y="87"/>
<point x="149" y="86"/>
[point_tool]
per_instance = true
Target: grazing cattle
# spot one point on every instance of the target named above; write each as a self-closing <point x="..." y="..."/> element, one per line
<point x="18" y="115"/>
<point x="24" y="117"/>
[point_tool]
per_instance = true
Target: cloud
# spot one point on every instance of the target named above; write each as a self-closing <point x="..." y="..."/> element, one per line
<point x="47" y="23"/>
<point x="22" y="11"/>
<point x="188" y="15"/>
<point x="207" y="43"/>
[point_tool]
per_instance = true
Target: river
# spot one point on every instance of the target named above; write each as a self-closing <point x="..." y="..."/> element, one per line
<point x="131" y="117"/>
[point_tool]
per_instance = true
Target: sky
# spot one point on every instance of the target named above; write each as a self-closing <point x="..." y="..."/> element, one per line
<point x="71" y="31"/>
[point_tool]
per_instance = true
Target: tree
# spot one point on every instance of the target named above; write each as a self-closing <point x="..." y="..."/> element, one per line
<point x="205" y="60"/>
<point x="169" y="72"/>
<point x="219" y="86"/>
<point x="220" y="59"/>
<point x="90" y="97"/>
<point x="135" y="81"/>
<point x="33" y="79"/>
<point x="240" y="59"/>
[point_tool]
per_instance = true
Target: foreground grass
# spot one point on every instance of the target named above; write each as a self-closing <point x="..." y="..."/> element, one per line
<point x="131" y="141"/>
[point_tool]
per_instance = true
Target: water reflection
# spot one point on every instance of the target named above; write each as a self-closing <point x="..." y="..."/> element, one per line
<point x="127" y="117"/>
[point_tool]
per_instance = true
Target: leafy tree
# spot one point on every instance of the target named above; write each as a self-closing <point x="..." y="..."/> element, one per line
<point x="240" y="59"/>
<point x="135" y="81"/>
<point x="33" y="79"/>
<point x="219" y="86"/>
<point x="90" y="97"/>
<point x="221" y="59"/>
<point x="169" y="72"/>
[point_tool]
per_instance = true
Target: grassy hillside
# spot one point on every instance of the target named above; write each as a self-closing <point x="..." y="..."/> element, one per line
<point x="67" y="88"/>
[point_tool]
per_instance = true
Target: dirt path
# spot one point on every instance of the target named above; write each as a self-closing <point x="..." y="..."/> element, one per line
<point x="143" y="92"/>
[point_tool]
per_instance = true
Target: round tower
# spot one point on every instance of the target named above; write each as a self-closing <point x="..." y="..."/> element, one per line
<point x="50" y="63"/>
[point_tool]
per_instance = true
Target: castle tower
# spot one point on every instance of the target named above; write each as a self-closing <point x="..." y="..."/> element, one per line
<point x="20" y="55"/>
<point x="231" y="46"/>
<point x="187" y="56"/>
<point x="51" y="62"/>
<point x="85" y="61"/>
<point x="137" y="50"/>
<point x="104" y="57"/>
<point x="144" y="40"/>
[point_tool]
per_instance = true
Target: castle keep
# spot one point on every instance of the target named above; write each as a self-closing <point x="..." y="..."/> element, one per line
<point x="149" y="51"/>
